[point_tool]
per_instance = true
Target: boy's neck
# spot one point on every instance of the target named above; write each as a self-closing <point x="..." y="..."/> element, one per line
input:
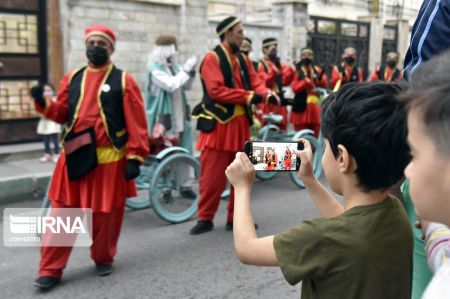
<point x="354" y="197"/>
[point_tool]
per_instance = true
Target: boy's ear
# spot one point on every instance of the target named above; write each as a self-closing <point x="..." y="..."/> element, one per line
<point x="345" y="160"/>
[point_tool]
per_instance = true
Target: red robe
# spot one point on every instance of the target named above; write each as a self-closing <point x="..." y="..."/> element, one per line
<point x="232" y="135"/>
<point x="310" y="118"/>
<point x="388" y="72"/>
<point x="270" y="80"/>
<point x="104" y="188"/>
<point x="337" y="76"/>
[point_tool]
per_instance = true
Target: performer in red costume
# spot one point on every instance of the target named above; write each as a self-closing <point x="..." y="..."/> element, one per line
<point x="230" y="86"/>
<point x="388" y="72"/>
<point x="287" y="159"/>
<point x="103" y="105"/>
<point x="305" y="112"/>
<point x="275" y="75"/>
<point x="347" y="71"/>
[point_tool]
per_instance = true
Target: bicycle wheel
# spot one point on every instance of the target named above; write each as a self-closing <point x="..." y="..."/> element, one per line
<point x="142" y="200"/>
<point x="165" y="194"/>
<point x="317" y="164"/>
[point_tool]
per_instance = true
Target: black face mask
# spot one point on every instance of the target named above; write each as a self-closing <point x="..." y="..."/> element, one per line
<point x="97" y="55"/>
<point x="245" y="52"/>
<point x="306" y="61"/>
<point x="391" y="63"/>
<point x="273" y="54"/>
<point x="349" y="59"/>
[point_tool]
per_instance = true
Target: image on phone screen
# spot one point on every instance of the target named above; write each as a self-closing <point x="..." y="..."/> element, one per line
<point x="273" y="156"/>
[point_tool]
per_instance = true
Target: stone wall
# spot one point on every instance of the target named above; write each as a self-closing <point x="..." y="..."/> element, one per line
<point x="136" y="25"/>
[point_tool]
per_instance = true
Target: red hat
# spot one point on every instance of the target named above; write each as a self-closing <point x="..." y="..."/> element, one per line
<point x="101" y="30"/>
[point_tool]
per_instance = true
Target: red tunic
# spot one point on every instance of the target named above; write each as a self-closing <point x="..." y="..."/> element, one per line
<point x="232" y="135"/>
<point x="269" y="78"/>
<point x="105" y="187"/>
<point x="336" y="76"/>
<point x="312" y="113"/>
<point x="388" y="72"/>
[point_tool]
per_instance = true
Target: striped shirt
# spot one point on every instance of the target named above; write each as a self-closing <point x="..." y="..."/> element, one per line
<point x="437" y="244"/>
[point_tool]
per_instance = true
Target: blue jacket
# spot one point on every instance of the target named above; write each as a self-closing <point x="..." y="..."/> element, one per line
<point x="430" y="34"/>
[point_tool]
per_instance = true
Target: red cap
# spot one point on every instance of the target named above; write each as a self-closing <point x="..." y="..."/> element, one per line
<point x="101" y="30"/>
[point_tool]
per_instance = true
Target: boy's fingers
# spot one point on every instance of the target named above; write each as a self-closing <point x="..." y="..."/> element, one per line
<point x="306" y="147"/>
<point x="306" y="144"/>
<point x="245" y="161"/>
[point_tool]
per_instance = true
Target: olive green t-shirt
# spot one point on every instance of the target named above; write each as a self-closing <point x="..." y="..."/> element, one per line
<point x="364" y="253"/>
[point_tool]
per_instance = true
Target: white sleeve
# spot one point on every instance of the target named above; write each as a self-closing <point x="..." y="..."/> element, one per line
<point x="167" y="82"/>
<point x="189" y="83"/>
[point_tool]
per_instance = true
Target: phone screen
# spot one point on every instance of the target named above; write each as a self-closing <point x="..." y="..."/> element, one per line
<point x="274" y="156"/>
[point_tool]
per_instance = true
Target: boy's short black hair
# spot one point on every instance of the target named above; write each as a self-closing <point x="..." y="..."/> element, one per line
<point x="429" y="93"/>
<point x="370" y="122"/>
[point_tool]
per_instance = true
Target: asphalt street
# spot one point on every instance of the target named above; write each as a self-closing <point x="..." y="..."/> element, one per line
<point x="160" y="260"/>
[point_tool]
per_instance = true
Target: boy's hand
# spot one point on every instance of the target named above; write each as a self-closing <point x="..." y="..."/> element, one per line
<point x="241" y="172"/>
<point x="305" y="173"/>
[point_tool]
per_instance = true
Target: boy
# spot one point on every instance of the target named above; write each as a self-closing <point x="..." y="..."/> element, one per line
<point x="428" y="104"/>
<point x="363" y="248"/>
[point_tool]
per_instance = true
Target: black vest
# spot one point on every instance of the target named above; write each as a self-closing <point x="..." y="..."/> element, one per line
<point x="394" y="76"/>
<point x="220" y="111"/>
<point x="111" y="105"/>
<point x="353" y="75"/>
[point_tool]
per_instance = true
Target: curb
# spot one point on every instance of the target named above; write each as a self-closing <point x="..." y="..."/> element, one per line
<point x="25" y="187"/>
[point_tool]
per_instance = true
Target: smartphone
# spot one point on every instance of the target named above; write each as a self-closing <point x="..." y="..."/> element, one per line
<point x="273" y="155"/>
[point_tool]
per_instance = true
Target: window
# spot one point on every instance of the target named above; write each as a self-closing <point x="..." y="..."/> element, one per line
<point x="326" y="27"/>
<point x="18" y="33"/>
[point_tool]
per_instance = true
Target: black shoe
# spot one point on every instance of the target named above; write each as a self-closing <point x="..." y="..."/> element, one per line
<point x="229" y="226"/>
<point x="103" y="269"/>
<point x="45" y="282"/>
<point x="188" y="193"/>
<point x="202" y="227"/>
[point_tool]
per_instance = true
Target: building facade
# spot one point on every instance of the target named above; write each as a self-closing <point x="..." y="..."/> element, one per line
<point x="41" y="40"/>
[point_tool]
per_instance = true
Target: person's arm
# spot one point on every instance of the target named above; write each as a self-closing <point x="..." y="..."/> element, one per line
<point x="437" y="243"/>
<point x="168" y="82"/>
<point x="249" y="248"/>
<point x="136" y="121"/>
<point x="299" y="85"/>
<point x="429" y="36"/>
<point x="374" y="76"/>
<point x="271" y="75"/>
<point x="58" y="110"/>
<point x="324" y="201"/>
<point x="257" y="84"/>
<point x="288" y="74"/>
<point x="323" y="79"/>
<point x="335" y="77"/>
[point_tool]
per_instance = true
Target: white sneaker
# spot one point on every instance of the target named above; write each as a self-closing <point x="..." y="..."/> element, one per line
<point x="45" y="158"/>
<point x="55" y="158"/>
